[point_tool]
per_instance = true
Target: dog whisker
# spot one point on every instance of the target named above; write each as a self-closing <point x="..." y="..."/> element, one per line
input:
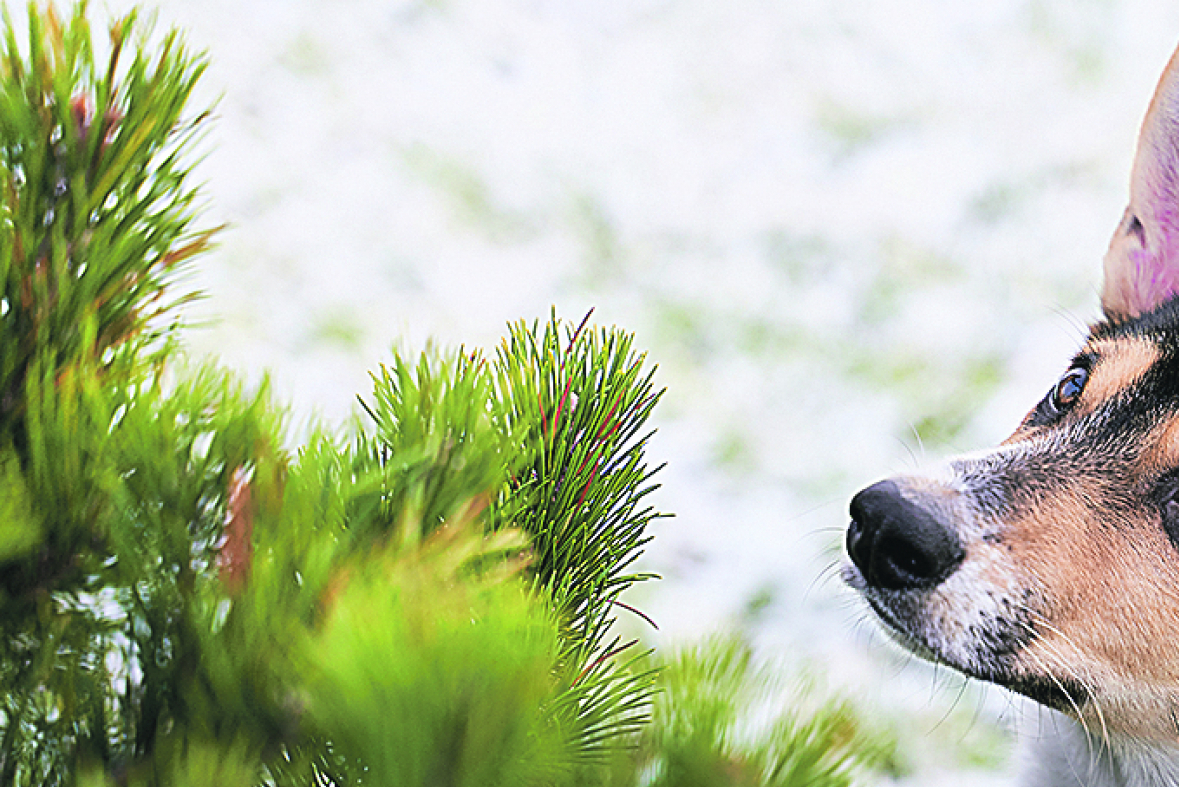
<point x="822" y="578"/>
<point x="1053" y="650"/>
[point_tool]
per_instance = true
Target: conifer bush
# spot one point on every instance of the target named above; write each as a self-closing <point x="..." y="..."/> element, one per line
<point x="724" y="719"/>
<point x="427" y="601"/>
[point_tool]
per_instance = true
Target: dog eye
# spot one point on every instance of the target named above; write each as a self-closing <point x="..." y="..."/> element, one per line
<point x="1068" y="390"/>
<point x="1168" y="499"/>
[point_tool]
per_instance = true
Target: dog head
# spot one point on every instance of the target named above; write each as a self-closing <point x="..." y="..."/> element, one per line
<point x="1050" y="565"/>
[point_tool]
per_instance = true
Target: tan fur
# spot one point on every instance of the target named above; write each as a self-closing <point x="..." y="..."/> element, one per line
<point x="1109" y="606"/>
<point x="1109" y="580"/>
<point x="1120" y="365"/>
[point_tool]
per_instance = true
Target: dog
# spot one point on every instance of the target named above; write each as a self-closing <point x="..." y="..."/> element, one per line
<point x="1050" y="564"/>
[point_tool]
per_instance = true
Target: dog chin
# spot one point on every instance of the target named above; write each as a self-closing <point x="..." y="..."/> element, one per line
<point x="897" y="629"/>
<point x="911" y="630"/>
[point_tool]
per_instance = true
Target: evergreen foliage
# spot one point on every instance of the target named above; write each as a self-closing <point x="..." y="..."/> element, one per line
<point x="185" y="601"/>
<point x="97" y="209"/>
<point x="580" y="405"/>
<point x="722" y="719"/>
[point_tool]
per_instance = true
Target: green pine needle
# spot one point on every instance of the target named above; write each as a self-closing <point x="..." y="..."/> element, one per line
<point x="550" y="438"/>
<point x="432" y="601"/>
<point x="96" y="205"/>
<point x="724" y="719"/>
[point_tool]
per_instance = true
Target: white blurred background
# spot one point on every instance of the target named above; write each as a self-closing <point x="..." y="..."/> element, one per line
<point x="851" y="234"/>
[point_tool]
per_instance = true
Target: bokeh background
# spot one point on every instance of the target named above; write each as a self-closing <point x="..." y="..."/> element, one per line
<point x="853" y="235"/>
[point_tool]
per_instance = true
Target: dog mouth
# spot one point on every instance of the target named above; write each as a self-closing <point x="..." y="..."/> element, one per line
<point x="987" y="649"/>
<point x="902" y="621"/>
<point x="902" y="636"/>
<point x="896" y="624"/>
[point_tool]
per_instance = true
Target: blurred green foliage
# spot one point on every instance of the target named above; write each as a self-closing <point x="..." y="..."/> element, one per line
<point x="722" y="718"/>
<point x="428" y="601"/>
<point x="430" y="677"/>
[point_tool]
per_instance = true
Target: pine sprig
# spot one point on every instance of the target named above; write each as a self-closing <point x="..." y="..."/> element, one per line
<point x="437" y="439"/>
<point x="725" y="719"/>
<point x="550" y="438"/>
<point x="96" y="217"/>
<point x="581" y="398"/>
<point x="96" y="204"/>
<point x="585" y="400"/>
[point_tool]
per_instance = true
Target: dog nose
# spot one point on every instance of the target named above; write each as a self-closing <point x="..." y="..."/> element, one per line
<point x="897" y="544"/>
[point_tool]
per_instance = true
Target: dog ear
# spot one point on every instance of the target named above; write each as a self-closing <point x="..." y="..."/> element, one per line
<point x="1142" y="264"/>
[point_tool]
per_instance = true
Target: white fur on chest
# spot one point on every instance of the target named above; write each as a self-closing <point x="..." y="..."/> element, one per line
<point x="1066" y="756"/>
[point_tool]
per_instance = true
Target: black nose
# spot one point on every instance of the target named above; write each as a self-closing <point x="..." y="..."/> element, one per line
<point x="896" y="543"/>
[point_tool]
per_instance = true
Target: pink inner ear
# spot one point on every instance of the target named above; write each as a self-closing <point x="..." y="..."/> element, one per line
<point x="1142" y="265"/>
<point x="1157" y="262"/>
<point x="1156" y="281"/>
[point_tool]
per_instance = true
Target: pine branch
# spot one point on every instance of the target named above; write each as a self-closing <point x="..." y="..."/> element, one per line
<point x="436" y="441"/>
<point x="552" y="437"/>
<point x="724" y="719"/>
<point x="581" y="403"/>
<point x="96" y="207"/>
<point x="96" y="218"/>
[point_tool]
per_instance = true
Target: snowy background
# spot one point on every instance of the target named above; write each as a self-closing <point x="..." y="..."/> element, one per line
<point x="851" y="234"/>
